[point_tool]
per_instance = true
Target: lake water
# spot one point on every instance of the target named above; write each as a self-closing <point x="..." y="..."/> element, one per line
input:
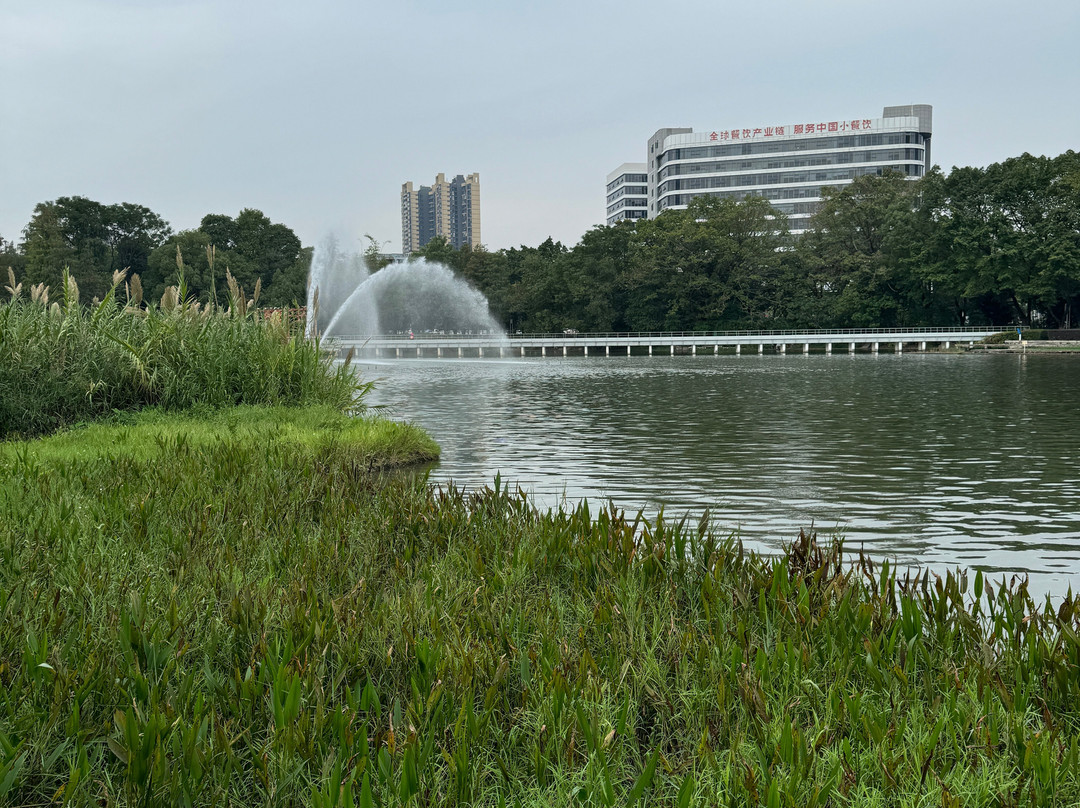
<point x="931" y="459"/>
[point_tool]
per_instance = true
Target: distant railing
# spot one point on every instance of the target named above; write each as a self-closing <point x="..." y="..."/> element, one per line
<point x="961" y="329"/>
<point x="764" y="333"/>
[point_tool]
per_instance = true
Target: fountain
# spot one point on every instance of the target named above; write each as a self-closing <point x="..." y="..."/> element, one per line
<point x="418" y="296"/>
<point x="334" y="274"/>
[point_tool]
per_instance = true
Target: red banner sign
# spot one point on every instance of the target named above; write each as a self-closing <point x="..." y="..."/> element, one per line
<point x="819" y="128"/>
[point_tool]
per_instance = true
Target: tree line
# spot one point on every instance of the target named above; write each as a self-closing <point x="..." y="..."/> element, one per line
<point x="92" y="240"/>
<point x="994" y="245"/>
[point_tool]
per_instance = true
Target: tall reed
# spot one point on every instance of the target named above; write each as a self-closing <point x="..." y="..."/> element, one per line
<point x="63" y="362"/>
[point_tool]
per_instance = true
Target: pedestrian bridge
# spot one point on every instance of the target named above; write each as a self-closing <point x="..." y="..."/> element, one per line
<point x="846" y="340"/>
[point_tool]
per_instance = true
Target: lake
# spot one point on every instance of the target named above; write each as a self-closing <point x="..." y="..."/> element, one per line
<point x="931" y="459"/>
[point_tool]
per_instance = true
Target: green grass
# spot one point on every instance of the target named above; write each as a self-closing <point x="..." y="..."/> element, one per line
<point x="63" y="363"/>
<point x="374" y="443"/>
<point x="229" y="620"/>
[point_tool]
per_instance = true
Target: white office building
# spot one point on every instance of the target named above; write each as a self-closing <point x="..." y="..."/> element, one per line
<point x="789" y="164"/>
<point x="627" y="192"/>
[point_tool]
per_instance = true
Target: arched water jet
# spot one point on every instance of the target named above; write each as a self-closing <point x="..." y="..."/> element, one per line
<point x="419" y="295"/>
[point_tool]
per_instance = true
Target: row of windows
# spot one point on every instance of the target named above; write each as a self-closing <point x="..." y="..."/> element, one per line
<point x="622" y="179"/>
<point x="807" y="192"/>
<point x="834" y="158"/>
<point x="675" y="200"/>
<point x="627" y="214"/>
<point x="790" y="208"/>
<point x="798" y="211"/>
<point x="789" y="144"/>
<point x="639" y="190"/>
<point x="798" y="215"/>
<point x="784" y="178"/>
<point x="627" y="203"/>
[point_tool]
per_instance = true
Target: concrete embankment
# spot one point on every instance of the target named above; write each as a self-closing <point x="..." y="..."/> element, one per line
<point x="1032" y="346"/>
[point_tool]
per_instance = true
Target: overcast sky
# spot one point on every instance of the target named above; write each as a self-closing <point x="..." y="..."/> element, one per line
<point x="316" y="111"/>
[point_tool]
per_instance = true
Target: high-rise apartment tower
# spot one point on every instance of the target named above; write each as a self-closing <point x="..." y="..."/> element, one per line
<point x="448" y="209"/>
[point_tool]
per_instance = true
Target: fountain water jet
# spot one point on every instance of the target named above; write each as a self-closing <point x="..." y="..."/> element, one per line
<point x="334" y="274"/>
<point x="419" y="295"/>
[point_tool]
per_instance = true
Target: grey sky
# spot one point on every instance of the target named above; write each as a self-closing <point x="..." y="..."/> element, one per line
<point x="315" y="111"/>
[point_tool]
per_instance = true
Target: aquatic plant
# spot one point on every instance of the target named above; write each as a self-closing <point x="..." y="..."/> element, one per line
<point x="234" y="621"/>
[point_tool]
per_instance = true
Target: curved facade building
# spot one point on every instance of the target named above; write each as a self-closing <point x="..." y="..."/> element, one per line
<point x="788" y="164"/>
<point x="627" y="192"/>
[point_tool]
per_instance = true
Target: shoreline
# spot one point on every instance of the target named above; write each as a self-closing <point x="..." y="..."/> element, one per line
<point x="1031" y="346"/>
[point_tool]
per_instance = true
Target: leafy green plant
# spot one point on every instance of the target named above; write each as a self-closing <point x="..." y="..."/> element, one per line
<point x="205" y="614"/>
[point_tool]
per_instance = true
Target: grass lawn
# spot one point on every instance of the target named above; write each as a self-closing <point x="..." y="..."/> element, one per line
<point x="372" y="442"/>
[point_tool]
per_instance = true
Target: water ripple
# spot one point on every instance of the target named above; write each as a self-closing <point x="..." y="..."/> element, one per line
<point x="933" y="459"/>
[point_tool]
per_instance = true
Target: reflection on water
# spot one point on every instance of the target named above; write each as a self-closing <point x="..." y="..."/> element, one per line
<point x="932" y="459"/>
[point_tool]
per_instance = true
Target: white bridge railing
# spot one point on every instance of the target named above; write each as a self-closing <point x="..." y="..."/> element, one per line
<point x="845" y="339"/>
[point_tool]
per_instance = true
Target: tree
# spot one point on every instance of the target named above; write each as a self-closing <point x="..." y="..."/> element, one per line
<point x="269" y="247"/>
<point x="252" y="247"/>
<point x="595" y="268"/>
<point x="958" y="251"/>
<point x="221" y="230"/>
<point x="847" y="251"/>
<point x="131" y="233"/>
<point x="1038" y="259"/>
<point x="1005" y="240"/>
<point x="1067" y="255"/>
<point x="487" y="272"/>
<point x="374" y="259"/>
<point x="704" y="268"/>
<point x="438" y="250"/>
<point x="63" y="234"/>
<point x="91" y="240"/>
<point x="201" y="283"/>
<point x="11" y="257"/>
<point x="288" y="287"/>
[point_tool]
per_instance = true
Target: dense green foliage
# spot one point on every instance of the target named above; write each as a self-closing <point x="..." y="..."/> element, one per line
<point x="92" y="241"/>
<point x="247" y="622"/>
<point x="980" y="246"/>
<point x="62" y="362"/>
<point x="250" y="246"/>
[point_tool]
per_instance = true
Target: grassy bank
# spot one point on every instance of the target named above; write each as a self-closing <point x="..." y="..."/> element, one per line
<point x="315" y="431"/>
<point x="233" y="621"/>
